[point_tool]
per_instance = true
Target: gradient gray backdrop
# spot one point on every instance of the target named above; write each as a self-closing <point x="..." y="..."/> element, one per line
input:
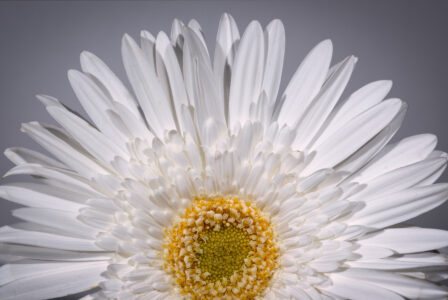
<point x="405" y="41"/>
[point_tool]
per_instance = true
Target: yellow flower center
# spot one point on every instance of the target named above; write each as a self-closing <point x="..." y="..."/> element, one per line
<point x="221" y="248"/>
<point x="223" y="252"/>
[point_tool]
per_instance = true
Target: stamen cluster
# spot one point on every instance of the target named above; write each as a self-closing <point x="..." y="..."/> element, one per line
<point x="221" y="248"/>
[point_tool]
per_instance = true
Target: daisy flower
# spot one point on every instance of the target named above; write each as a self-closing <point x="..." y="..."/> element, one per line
<point x="205" y="183"/>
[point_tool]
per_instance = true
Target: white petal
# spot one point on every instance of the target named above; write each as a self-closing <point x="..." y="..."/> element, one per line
<point x="369" y="252"/>
<point x="374" y="146"/>
<point x="62" y="220"/>
<point x="93" y="98"/>
<point x="97" y="144"/>
<point x="148" y="42"/>
<point x="176" y="82"/>
<point x="196" y="45"/>
<point x="43" y="239"/>
<point x="227" y="40"/>
<point x="401" y="178"/>
<point x="49" y="254"/>
<point x="196" y="28"/>
<point x="55" y="283"/>
<point x="356" y="289"/>
<point x="176" y="34"/>
<point x="207" y="102"/>
<point x="305" y="84"/>
<point x="152" y="98"/>
<point x="405" y="152"/>
<point x="119" y="93"/>
<point x="360" y="101"/>
<point x="65" y="150"/>
<point x="275" y="51"/>
<point x="403" y="285"/>
<point x="21" y="156"/>
<point x="62" y="175"/>
<point x="34" y="195"/>
<point x="352" y="136"/>
<point x="247" y="74"/>
<point x="408" y="240"/>
<point x="426" y="262"/>
<point x="28" y="268"/>
<point x="323" y="104"/>
<point x="401" y="206"/>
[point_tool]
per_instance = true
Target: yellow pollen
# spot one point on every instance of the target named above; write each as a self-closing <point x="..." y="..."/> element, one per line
<point x="223" y="252"/>
<point x="221" y="248"/>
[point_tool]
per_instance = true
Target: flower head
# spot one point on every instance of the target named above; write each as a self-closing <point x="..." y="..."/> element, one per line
<point x="204" y="183"/>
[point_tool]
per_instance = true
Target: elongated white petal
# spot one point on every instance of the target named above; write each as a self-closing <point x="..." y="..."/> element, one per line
<point x="196" y="45"/>
<point x="275" y="51"/>
<point x="401" y="206"/>
<point x="407" y="151"/>
<point x="353" y="135"/>
<point x="361" y="100"/>
<point x="322" y="106"/>
<point x="93" y="98"/>
<point x="34" y="195"/>
<point x="28" y="268"/>
<point x="62" y="220"/>
<point x="148" y="42"/>
<point x="403" y="285"/>
<point x="365" y="154"/>
<point x="61" y="175"/>
<point x="206" y="98"/>
<point x="152" y="98"/>
<point x="402" y="178"/>
<point x="49" y="254"/>
<point x="71" y="154"/>
<point x="93" y="141"/>
<point x="55" y="282"/>
<point x="356" y="289"/>
<point x="227" y="40"/>
<point x="194" y="25"/>
<point x="21" y="156"/>
<point x="91" y="64"/>
<point x="369" y="252"/>
<point x="176" y="83"/>
<point x="247" y="75"/>
<point x="419" y="262"/>
<point x="408" y="240"/>
<point x="43" y="239"/>
<point x="176" y="34"/>
<point x="305" y="84"/>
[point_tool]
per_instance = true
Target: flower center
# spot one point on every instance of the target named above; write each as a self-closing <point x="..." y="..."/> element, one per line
<point x="223" y="252"/>
<point x="221" y="248"/>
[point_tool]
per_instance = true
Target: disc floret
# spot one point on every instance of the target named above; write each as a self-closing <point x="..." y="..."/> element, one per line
<point x="221" y="248"/>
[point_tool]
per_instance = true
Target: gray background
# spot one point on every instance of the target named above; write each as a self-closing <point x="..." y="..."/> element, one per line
<point x="405" y="41"/>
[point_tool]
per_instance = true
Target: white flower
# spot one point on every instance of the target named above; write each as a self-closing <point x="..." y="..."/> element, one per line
<point x="209" y="185"/>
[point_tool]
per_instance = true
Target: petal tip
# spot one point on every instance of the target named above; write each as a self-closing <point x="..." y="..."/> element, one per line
<point x="328" y="43"/>
<point x="145" y="34"/>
